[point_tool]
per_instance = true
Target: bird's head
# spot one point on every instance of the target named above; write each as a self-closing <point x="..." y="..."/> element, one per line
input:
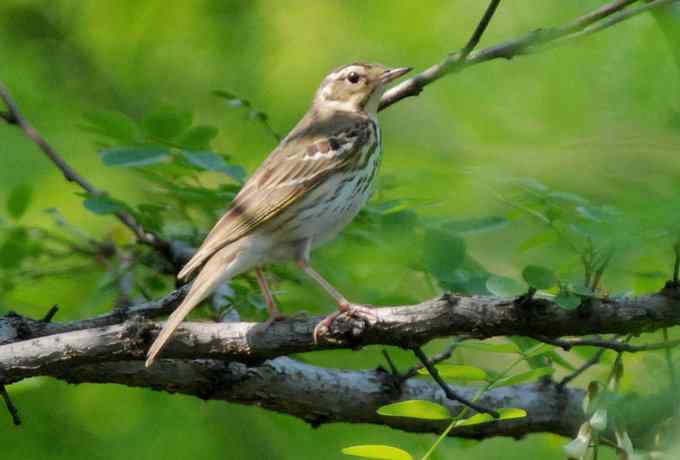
<point x="356" y="87"/>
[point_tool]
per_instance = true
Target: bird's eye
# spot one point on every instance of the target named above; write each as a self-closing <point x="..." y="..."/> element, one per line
<point x="353" y="77"/>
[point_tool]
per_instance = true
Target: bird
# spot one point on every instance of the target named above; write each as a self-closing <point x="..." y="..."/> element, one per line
<point x="307" y="190"/>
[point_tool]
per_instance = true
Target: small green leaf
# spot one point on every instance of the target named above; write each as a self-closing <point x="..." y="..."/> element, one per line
<point x="19" y="200"/>
<point x="537" y="350"/>
<point x="481" y="224"/>
<point x="458" y="372"/>
<point x="490" y="347"/>
<point x="15" y="248"/>
<point x="443" y="253"/>
<point x="567" y="300"/>
<point x="167" y="123"/>
<point x="539" y="239"/>
<point x="379" y="452"/>
<point x="505" y="414"/>
<point x="210" y="161"/>
<point x="103" y="204"/>
<point x="505" y="287"/>
<point x="523" y="377"/>
<point x="114" y="125"/>
<point x="198" y="137"/>
<point x="539" y="277"/>
<point x="134" y="156"/>
<point x="416" y="409"/>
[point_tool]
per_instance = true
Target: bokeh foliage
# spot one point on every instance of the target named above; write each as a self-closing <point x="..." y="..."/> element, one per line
<point x="504" y="176"/>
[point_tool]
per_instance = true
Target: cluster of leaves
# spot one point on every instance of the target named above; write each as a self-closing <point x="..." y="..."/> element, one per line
<point x="534" y="355"/>
<point x="30" y="252"/>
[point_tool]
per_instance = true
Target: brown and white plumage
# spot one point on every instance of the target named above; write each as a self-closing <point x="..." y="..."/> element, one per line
<point x="311" y="186"/>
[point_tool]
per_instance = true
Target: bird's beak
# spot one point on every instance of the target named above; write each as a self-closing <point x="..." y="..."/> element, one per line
<point x="392" y="74"/>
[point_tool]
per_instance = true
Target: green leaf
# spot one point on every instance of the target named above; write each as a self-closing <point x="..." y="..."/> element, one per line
<point x="539" y="277"/>
<point x="378" y="452"/>
<point x="505" y="287"/>
<point x="134" y="156"/>
<point x="114" y="125"/>
<point x="540" y="239"/>
<point x="416" y="409"/>
<point x="523" y="377"/>
<point x="567" y="301"/>
<point x="443" y="253"/>
<point x="198" y="137"/>
<point x="103" y="204"/>
<point x="19" y="200"/>
<point x="481" y="224"/>
<point x="490" y="347"/>
<point x="167" y="123"/>
<point x="210" y="161"/>
<point x="505" y="414"/>
<point x="537" y="350"/>
<point x="458" y="372"/>
<point x="15" y="248"/>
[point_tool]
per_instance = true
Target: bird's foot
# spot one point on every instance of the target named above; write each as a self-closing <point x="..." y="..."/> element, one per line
<point x="344" y="308"/>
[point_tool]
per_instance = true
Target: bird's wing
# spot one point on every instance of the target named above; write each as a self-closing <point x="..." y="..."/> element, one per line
<point x="302" y="161"/>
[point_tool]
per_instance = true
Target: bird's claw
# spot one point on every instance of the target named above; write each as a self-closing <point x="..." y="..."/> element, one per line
<point x="349" y="309"/>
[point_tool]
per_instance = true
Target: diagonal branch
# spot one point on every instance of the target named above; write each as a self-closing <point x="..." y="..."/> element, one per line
<point x="533" y="42"/>
<point x="448" y="391"/>
<point x="15" y="117"/>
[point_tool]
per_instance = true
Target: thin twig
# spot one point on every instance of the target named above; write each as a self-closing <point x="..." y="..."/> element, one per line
<point x="479" y="30"/>
<point x="676" y="264"/>
<point x="15" y="117"/>
<point x="50" y="314"/>
<point x="595" y="359"/>
<point x="607" y="344"/>
<point x="533" y="42"/>
<point x="14" y="412"/>
<point x="436" y="359"/>
<point x="448" y="391"/>
<point x="390" y="363"/>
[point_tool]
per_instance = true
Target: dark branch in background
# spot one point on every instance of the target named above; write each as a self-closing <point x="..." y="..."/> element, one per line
<point x="608" y="344"/>
<point x="584" y="367"/>
<point x="14" y="412"/>
<point x="15" y="117"/>
<point x="321" y="395"/>
<point x="479" y="30"/>
<point x="448" y="391"/>
<point x="533" y="42"/>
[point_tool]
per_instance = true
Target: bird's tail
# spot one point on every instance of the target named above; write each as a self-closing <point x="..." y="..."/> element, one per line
<point x="219" y="268"/>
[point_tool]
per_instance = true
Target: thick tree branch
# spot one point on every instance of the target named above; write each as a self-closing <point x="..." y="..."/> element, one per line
<point x="405" y="326"/>
<point x="320" y="395"/>
<point x="536" y="41"/>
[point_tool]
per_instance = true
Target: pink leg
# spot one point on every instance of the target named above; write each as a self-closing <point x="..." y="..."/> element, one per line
<point x="344" y="306"/>
<point x="274" y="313"/>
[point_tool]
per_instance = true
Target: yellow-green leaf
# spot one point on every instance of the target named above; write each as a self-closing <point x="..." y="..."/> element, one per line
<point x="505" y="414"/>
<point x="458" y="372"/>
<point x="416" y="409"/>
<point x="377" y="451"/>
<point x="490" y="347"/>
<point x="523" y="377"/>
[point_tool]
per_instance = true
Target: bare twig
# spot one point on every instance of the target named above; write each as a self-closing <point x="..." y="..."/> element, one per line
<point x="479" y="30"/>
<point x="595" y="359"/>
<point x="436" y="359"/>
<point x="607" y="344"/>
<point x="390" y="363"/>
<point x="14" y="412"/>
<point x="15" y="117"/>
<point x="448" y="391"/>
<point x="533" y="42"/>
<point x="50" y="314"/>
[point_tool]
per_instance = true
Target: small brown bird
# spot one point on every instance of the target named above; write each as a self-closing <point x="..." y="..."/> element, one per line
<point x="310" y="187"/>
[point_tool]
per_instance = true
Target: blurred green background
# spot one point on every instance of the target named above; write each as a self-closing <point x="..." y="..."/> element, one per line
<point x="599" y="117"/>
